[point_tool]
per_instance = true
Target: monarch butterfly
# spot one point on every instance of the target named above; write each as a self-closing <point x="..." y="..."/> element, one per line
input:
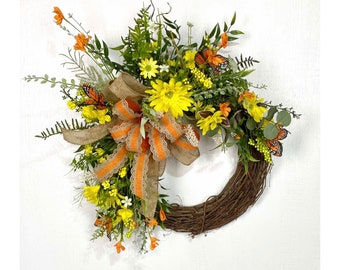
<point x="95" y="98"/>
<point x="107" y="224"/>
<point x="274" y="145"/>
<point x="215" y="61"/>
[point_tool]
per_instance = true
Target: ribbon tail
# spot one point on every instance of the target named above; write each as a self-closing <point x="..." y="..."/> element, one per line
<point x="87" y="136"/>
<point x="113" y="163"/>
<point x="151" y="189"/>
<point x="183" y="151"/>
<point x="144" y="182"/>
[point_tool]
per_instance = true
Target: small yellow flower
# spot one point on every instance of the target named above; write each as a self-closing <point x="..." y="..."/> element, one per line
<point x="100" y="153"/>
<point x="71" y="105"/>
<point x="88" y="149"/>
<point x="90" y="193"/>
<point x="148" y="68"/>
<point x="200" y="77"/>
<point x="113" y="192"/>
<point x="91" y="114"/>
<point x="125" y="213"/>
<point x="122" y="172"/>
<point x="103" y="117"/>
<point x="189" y="58"/>
<point x="210" y="122"/>
<point x="249" y="101"/>
<point x="106" y="184"/>
<point x="88" y="112"/>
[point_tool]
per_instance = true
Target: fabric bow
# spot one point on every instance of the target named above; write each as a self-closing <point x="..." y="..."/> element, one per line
<point x="151" y="143"/>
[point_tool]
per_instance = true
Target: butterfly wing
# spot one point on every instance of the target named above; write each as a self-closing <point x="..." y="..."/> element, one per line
<point x="200" y="58"/>
<point x="275" y="147"/>
<point x="95" y="98"/>
<point x="218" y="62"/>
<point x="215" y="61"/>
<point x="283" y="133"/>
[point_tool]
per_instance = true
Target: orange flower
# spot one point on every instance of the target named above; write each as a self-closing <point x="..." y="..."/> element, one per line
<point x="119" y="247"/>
<point x="246" y="94"/>
<point x="224" y="38"/>
<point x="162" y="215"/>
<point x="225" y="109"/>
<point x="152" y="223"/>
<point x="154" y="242"/>
<point x="59" y="15"/>
<point x="237" y="137"/>
<point x="81" y="42"/>
<point x="134" y="224"/>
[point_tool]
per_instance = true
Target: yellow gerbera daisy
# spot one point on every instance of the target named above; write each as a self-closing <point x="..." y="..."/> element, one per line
<point x="148" y="68"/>
<point x="172" y="97"/>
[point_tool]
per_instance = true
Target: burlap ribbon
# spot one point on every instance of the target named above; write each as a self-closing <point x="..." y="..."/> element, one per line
<point x="150" y="148"/>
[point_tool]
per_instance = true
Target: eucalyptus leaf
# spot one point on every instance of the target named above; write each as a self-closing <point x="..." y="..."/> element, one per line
<point x="271" y="113"/>
<point x="270" y="131"/>
<point x="251" y="124"/>
<point x="283" y="118"/>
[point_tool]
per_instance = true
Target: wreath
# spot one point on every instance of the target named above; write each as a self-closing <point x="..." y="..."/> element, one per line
<point x="156" y="101"/>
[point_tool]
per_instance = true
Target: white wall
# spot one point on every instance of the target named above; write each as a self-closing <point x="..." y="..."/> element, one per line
<point x="280" y="232"/>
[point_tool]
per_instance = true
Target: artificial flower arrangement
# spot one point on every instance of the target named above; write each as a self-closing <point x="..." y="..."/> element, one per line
<point x="156" y="103"/>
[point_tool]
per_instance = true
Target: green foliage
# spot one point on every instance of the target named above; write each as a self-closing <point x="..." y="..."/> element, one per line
<point x="85" y="73"/>
<point x="57" y="129"/>
<point x="245" y="62"/>
<point x="214" y="36"/>
<point x="53" y="81"/>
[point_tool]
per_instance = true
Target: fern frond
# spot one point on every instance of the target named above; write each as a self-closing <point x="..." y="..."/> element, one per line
<point x="98" y="233"/>
<point x="245" y="62"/>
<point x="83" y="72"/>
<point x="57" y="129"/>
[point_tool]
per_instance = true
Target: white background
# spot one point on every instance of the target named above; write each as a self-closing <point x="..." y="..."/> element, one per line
<point x="280" y="232"/>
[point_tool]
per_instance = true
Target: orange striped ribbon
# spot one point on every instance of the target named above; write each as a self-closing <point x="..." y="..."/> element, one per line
<point x="120" y="130"/>
<point x="127" y="109"/>
<point x="170" y="127"/>
<point x="139" y="172"/>
<point x="158" y="145"/>
<point x="183" y="143"/>
<point x="134" y="139"/>
<point x="113" y="163"/>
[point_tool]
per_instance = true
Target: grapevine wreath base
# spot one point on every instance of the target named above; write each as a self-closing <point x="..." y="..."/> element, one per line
<point x="241" y="191"/>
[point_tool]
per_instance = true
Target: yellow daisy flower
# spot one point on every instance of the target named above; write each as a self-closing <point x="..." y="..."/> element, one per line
<point x="172" y="97"/>
<point x="148" y="68"/>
